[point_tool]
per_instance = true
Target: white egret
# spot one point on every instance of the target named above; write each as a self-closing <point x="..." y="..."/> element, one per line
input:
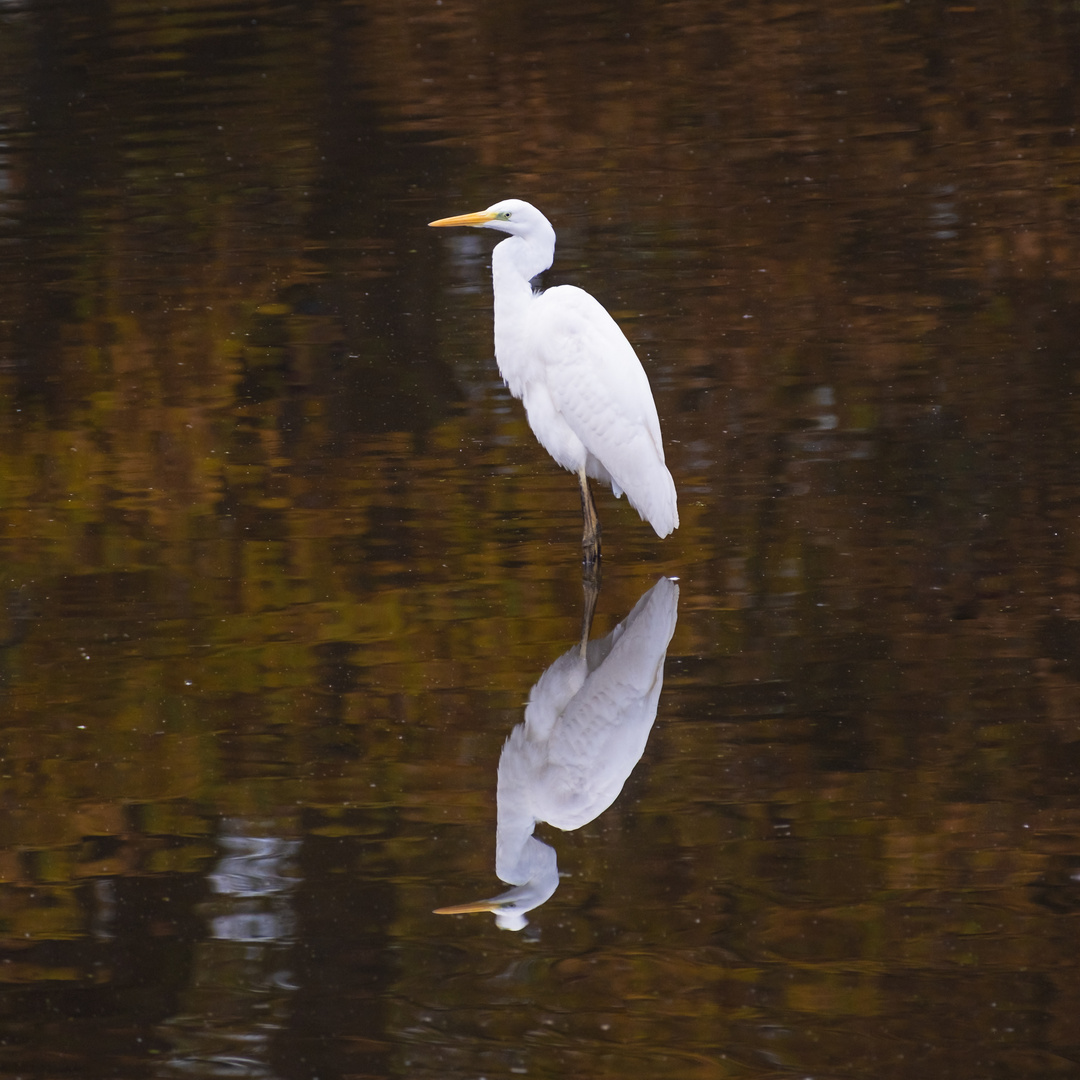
<point x="586" y="725"/>
<point x="585" y="392"/>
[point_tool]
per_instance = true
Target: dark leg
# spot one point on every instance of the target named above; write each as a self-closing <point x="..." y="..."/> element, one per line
<point x="590" y="588"/>
<point x="590" y="540"/>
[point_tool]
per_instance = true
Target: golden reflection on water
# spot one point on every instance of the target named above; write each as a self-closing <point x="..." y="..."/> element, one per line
<point x="280" y="556"/>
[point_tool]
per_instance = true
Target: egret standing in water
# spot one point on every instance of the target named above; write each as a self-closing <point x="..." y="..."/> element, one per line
<point x="585" y="392"/>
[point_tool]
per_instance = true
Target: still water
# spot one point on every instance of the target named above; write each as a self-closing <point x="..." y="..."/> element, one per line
<point x="285" y="578"/>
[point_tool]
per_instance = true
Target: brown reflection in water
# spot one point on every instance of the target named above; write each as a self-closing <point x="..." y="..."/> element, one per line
<point x="275" y="542"/>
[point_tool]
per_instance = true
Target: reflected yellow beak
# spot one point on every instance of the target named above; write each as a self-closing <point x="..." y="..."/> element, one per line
<point x="481" y="217"/>
<point x="468" y="909"/>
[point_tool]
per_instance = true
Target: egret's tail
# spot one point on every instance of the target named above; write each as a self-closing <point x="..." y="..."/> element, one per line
<point x="648" y="486"/>
<point x="656" y="501"/>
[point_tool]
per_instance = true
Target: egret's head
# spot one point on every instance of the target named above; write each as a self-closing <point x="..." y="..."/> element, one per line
<point x="510" y="216"/>
<point x="509" y="918"/>
<point x="510" y="907"/>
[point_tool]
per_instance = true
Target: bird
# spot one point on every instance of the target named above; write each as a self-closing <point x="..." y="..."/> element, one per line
<point x="586" y="395"/>
<point x="586" y="724"/>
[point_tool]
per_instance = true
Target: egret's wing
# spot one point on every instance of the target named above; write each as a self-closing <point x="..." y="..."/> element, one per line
<point x="597" y="384"/>
<point x="603" y="730"/>
<point x="552" y="691"/>
<point x="586" y="355"/>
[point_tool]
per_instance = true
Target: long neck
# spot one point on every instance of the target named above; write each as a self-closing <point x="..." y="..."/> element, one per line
<point x="525" y="257"/>
<point x="514" y="263"/>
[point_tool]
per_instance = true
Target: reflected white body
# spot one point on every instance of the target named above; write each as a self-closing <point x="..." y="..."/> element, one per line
<point x="585" y="392"/>
<point x="586" y="725"/>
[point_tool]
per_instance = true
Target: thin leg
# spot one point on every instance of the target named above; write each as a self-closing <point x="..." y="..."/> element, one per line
<point x="590" y="540"/>
<point x="590" y="588"/>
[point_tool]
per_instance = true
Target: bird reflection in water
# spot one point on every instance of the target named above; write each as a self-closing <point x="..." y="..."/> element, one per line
<point x="586" y="724"/>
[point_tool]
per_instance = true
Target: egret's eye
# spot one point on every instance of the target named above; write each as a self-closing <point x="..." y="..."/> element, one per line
<point x="503" y="215"/>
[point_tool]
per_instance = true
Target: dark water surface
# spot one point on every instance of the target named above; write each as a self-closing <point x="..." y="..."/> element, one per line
<point x="280" y="562"/>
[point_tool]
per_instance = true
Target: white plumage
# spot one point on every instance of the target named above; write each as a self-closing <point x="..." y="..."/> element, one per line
<point x="585" y="392"/>
<point x="586" y="725"/>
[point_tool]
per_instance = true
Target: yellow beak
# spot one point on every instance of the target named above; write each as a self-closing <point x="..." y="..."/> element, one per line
<point x="468" y="909"/>
<point x="481" y="217"/>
